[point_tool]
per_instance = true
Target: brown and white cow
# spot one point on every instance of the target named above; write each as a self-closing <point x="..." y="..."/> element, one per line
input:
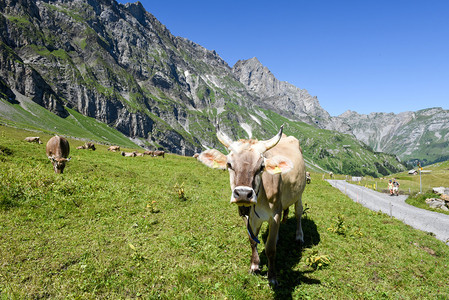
<point x="266" y="178"/>
<point x="129" y="154"/>
<point x="33" y="139"/>
<point x="87" y="146"/>
<point x="148" y="152"/>
<point x="159" y="153"/>
<point x="114" y="148"/>
<point x="58" y="150"/>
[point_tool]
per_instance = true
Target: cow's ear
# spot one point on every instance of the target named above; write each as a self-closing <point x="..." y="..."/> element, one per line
<point x="278" y="164"/>
<point x="51" y="158"/>
<point x="213" y="159"/>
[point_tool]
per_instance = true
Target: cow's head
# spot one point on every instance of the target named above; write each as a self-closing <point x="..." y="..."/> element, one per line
<point x="59" y="163"/>
<point x="246" y="163"/>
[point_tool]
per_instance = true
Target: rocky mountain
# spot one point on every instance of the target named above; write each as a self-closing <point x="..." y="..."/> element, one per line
<point x="283" y="97"/>
<point x="119" y="65"/>
<point x="421" y="135"/>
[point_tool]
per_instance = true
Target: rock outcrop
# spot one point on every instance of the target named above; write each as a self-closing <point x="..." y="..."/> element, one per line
<point x="412" y="136"/>
<point x="118" y="64"/>
<point x="283" y="97"/>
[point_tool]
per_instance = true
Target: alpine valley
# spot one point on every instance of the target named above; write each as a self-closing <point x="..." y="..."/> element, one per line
<point x="65" y="64"/>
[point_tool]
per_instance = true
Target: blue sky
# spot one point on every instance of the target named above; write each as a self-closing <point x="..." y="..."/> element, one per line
<point x="362" y="55"/>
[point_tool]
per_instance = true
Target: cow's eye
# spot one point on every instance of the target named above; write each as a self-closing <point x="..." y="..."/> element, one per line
<point x="262" y="167"/>
<point x="229" y="166"/>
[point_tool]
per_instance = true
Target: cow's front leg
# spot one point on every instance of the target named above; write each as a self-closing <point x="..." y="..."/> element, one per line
<point x="255" y="228"/>
<point x="270" y="248"/>
<point x="255" y="261"/>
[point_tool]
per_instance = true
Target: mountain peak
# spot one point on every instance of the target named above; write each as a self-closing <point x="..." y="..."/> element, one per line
<point x="280" y="96"/>
<point x="137" y="11"/>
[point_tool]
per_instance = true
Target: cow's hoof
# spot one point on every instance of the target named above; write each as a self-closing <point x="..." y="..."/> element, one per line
<point x="254" y="269"/>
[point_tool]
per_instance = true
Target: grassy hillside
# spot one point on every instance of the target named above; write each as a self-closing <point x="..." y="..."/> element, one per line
<point x="337" y="152"/>
<point x="116" y="227"/>
<point x="324" y="150"/>
<point x="34" y="117"/>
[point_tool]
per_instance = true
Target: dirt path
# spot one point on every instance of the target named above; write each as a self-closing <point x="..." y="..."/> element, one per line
<point x="395" y="206"/>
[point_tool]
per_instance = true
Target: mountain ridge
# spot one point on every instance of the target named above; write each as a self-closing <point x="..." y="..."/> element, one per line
<point x="413" y="136"/>
<point x="118" y="64"/>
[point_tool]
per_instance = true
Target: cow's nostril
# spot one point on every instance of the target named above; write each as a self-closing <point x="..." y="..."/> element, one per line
<point x="243" y="193"/>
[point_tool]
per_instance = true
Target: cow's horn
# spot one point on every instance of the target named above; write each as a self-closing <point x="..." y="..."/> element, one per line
<point x="224" y="139"/>
<point x="274" y="140"/>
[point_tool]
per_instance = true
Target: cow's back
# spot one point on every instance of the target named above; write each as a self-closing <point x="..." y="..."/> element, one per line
<point x="290" y="184"/>
<point x="58" y="147"/>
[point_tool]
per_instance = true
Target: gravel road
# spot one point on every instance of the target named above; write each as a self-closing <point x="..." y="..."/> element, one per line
<point x="395" y="206"/>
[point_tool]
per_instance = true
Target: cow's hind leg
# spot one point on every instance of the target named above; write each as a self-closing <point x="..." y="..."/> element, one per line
<point x="298" y="213"/>
<point x="270" y="248"/>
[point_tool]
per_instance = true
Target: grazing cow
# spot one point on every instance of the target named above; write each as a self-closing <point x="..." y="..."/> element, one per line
<point x="266" y="178"/>
<point x="308" y="177"/>
<point x="58" y="150"/>
<point x="129" y="154"/>
<point x="87" y="146"/>
<point x="33" y="139"/>
<point x="114" y="148"/>
<point x="148" y="153"/>
<point x="331" y="175"/>
<point x="196" y="155"/>
<point x="138" y="153"/>
<point x="159" y="153"/>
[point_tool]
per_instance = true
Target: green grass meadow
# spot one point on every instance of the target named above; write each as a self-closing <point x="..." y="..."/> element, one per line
<point x="114" y="227"/>
<point x="75" y="125"/>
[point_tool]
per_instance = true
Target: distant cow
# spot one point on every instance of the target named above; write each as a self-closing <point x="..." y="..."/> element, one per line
<point x="159" y="153"/>
<point x="308" y="177"/>
<point x="196" y="155"/>
<point x="266" y="178"/>
<point x="33" y="139"/>
<point x="129" y="154"/>
<point x="148" y="153"/>
<point x="114" y="148"/>
<point x="87" y="146"/>
<point x="331" y="175"/>
<point x="138" y="153"/>
<point x="58" y="150"/>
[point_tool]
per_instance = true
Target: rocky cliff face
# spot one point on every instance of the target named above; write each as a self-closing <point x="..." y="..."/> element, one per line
<point x="283" y="97"/>
<point x="25" y="80"/>
<point x="118" y="64"/>
<point x="421" y="135"/>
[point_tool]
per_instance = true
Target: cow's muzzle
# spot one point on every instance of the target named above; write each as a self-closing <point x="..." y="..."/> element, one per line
<point x="243" y="195"/>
